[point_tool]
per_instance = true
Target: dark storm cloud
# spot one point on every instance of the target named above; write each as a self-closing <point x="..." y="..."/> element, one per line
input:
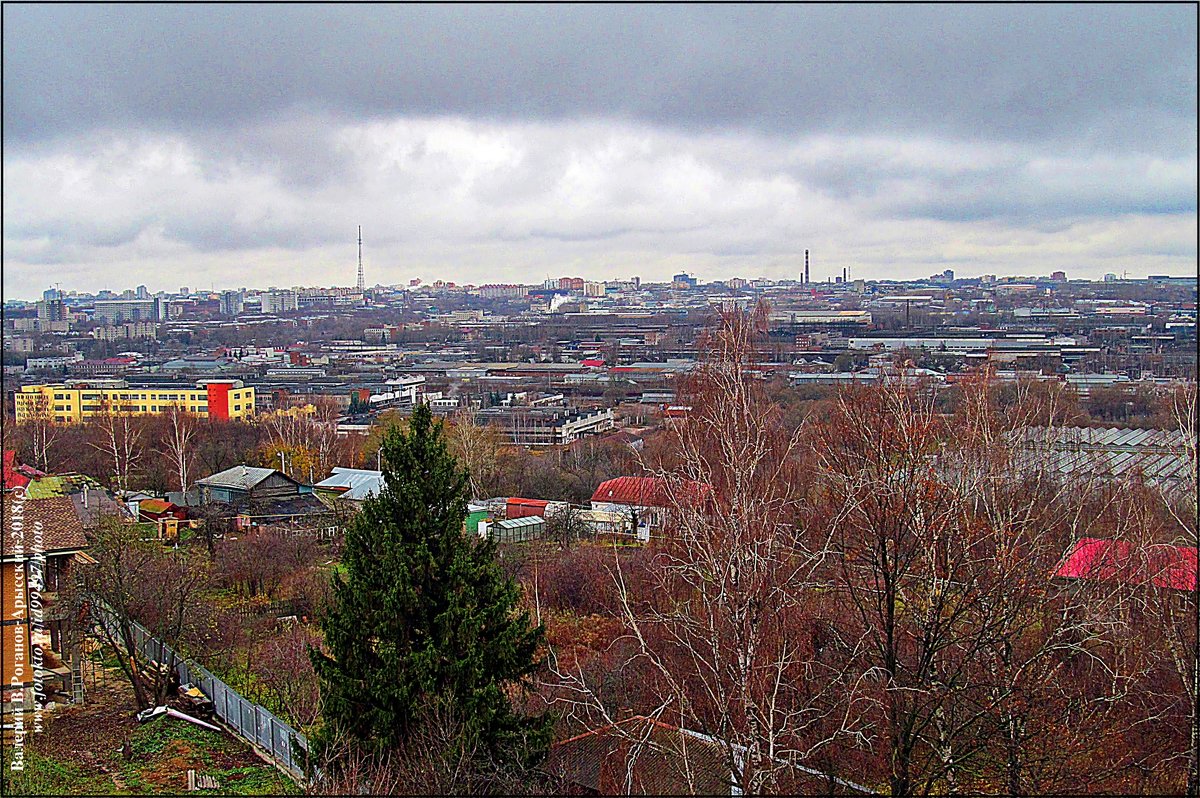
<point x="1097" y="75"/>
<point x="509" y="143"/>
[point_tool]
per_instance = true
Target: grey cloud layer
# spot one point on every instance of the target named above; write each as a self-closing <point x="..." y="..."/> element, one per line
<point x="1098" y="74"/>
<point x="242" y="144"/>
<point x="450" y="192"/>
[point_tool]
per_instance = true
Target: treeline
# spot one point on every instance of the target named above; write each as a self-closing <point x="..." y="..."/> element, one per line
<point x="870" y="592"/>
<point x="169" y="451"/>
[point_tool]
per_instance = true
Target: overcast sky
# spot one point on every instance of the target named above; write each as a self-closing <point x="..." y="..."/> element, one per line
<point x="241" y="145"/>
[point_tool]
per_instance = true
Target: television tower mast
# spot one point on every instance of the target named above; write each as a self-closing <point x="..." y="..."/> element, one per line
<point x="361" y="283"/>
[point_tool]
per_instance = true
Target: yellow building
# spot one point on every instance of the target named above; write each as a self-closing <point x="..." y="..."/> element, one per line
<point x="76" y="401"/>
<point x="295" y="411"/>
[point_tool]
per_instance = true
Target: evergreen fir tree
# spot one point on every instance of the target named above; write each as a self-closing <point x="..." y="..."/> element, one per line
<point x="423" y="615"/>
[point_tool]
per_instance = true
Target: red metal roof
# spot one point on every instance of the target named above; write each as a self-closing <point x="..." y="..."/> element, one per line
<point x="12" y="478"/>
<point x="1161" y="564"/>
<point x="649" y="491"/>
<point x="524" y="508"/>
<point x="591" y="362"/>
<point x="528" y="502"/>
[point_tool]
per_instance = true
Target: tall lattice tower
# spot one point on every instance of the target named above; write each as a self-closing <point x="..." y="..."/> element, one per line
<point x="361" y="283"/>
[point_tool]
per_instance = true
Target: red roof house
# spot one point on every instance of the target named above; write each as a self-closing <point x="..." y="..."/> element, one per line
<point x="650" y="492"/>
<point x="1160" y="564"/>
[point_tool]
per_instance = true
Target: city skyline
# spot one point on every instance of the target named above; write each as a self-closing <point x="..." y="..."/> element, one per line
<point x="830" y="280"/>
<point x="235" y="145"/>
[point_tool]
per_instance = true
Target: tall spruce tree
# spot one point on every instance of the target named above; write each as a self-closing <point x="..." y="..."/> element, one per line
<point x="423" y="616"/>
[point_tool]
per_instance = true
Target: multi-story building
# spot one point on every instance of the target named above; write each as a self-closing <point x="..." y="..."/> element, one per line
<point x="496" y="291"/>
<point x="52" y="310"/>
<point x="280" y="301"/>
<point x="79" y="400"/>
<point x="116" y="311"/>
<point x="54" y="362"/>
<point x="232" y="303"/>
<point x="683" y="280"/>
<point x="130" y="330"/>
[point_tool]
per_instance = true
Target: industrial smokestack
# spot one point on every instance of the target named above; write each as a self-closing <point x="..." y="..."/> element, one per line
<point x="845" y="273"/>
<point x="806" y="266"/>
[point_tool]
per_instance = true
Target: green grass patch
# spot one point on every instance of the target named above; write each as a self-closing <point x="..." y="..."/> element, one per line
<point x="45" y="775"/>
<point x="152" y="737"/>
<point x="41" y="775"/>
<point x="255" y="781"/>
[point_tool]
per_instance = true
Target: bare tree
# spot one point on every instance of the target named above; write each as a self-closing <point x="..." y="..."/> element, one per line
<point x="442" y="757"/>
<point x="286" y="673"/>
<point x="1184" y="641"/>
<point x="309" y="443"/>
<point x="477" y="447"/>
<point x="901" y="555"/>
<point x="566" y="527"/>
<point x="1160" y="525"/>
<point x="119" y="439"/>
<point x="1022" y="516"/>
<point x="176" y="445"/>
<point x="137" y="581"/>
<point x="730" y="630"/>
<point x="43" y="431"/>
<point x="215" y="520"/>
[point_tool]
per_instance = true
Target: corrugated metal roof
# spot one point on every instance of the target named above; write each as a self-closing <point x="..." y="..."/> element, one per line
<point x="518" y="523"/>
<point x="241" y="477"/>
<point x="1103" y="436"/>
<point x="351" y="478"/>
<point x="1159" y="456"/>
<point x="364" y="489"/>
<point x="648" y="491"/>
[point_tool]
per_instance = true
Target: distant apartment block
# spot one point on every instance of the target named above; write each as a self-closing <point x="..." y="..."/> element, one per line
<point x="497" y="291"/>
<point x="232" y="303"/>
<point x="129" y="330"/>
<point x="76" y="401"/>
<point x="52" y="310"/>
<point x="116" y="311"/>
<point x="280" y="302"/>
